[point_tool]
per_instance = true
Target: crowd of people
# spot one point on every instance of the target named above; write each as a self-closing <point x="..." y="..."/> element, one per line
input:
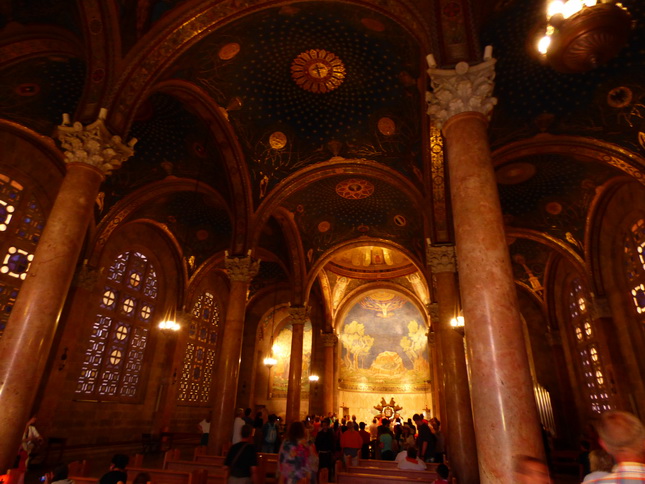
<point x="318" y="442"/>
<point x="616" y="455"/>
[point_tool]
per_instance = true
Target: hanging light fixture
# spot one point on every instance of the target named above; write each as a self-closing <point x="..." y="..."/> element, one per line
<point x="583" y="34"/>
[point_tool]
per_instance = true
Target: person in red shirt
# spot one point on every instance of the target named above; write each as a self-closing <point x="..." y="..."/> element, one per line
<point x="351" y="442"/>
<point x="365" y="448"/>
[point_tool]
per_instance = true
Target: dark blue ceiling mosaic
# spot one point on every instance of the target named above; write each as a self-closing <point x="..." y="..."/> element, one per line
<point x="63" y="13"/>
<point x="171" y="141"/>
<point x="200" y="227"/>
<point x="534" y="98"/>
<point x="37" y="92"/>
<point x="343" y="208"/>
<point x="556" y="198"/>
<point x="246" y="68"/>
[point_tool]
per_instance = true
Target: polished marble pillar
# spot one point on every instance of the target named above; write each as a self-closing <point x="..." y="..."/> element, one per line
<point x="504" y="410"/>
<point x="330" y="340"/>
<point x="241" y="270"/>
<point x="298" y="316"/>
<point x="91" y="153"/>
<point x="457" y="424"/>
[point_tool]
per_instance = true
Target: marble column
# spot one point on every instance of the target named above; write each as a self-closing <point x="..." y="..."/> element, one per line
<point x="457" y="424"/>
<point x="241" y="270"/>
<point x="329" y="342"/>
<point x="298" y="316"/>
<point x="438" y="402"/>
<point x="504" y="410"/>
<point x="91" y="153"/>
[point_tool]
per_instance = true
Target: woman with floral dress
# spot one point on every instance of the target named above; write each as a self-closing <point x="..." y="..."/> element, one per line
<point x="294" y="457"/>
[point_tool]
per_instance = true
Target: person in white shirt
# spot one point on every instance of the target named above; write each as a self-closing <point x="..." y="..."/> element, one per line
<point x="205" y="428"/>
<point x="238" y="423"/>
<point x="411" y="461"/>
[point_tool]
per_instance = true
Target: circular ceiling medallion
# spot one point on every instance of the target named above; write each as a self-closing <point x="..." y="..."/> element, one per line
<point x="355" y="189"/>
<point x="515" y="173"/>
<point x="373" y="24"/>
<point x="386" y="126"/>
<point x="318" y="71"/>
<point x="229" y="51"/>
<point x="324" y="226"/>
<point x="278" y="140"/>
<point x="619" y="97"/>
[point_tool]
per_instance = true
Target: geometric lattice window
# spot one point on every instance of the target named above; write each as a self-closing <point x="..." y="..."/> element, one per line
<point x="634" y="247"/>
<point x="116" y="349"/>
<point x="593" y="373"/>
<point x="21" y="225"/>
<point x="199" y="358"/>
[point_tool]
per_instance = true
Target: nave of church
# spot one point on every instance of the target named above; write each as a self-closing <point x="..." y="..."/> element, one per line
<point x="357" y="207"/>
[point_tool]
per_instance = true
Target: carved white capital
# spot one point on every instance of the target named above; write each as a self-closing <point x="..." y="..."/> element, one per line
<point x="329" y="339"/>
<point x="441" y="259"/>
<point x="298" y="314"/>
<point x="463" y="89"/>
<point x="93" y="145"/>
<point x="242" y="269"/>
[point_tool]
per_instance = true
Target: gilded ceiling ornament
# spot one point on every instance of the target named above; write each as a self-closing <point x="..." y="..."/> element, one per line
<point x="354" y="189"/>
<point x="278" y="140"/>
<point x="318" y="71"/>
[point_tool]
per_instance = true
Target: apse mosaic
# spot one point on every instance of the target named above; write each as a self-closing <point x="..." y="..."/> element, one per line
<point x="306" y="82"/>
<point x="384" y="345"/>
<point x="282" y="354"/>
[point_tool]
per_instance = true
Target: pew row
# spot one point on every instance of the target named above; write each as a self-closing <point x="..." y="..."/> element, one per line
<point x="159" y="476"/>
<point x="215" y="473"/>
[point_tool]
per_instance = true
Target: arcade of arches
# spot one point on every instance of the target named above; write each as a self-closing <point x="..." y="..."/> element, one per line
<point x="272" y="176"/>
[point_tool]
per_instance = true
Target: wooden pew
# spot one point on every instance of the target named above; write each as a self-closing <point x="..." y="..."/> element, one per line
<point x="216" y="473"/>
<point x="158" y="476"/>
<point x="209" y="459"/>
<point x="390" y="464"/>
<point x="358" y="478"/>
<point x="84" y="479"/>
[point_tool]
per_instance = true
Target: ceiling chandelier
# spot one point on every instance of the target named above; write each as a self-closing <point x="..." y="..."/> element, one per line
<point x="583" y="34"/>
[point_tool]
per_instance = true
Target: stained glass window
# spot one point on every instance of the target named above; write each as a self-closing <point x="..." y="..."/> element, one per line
<point x="593" y="373"/>
<point x="114" y="356"/>
<point x="199" y="358"/>
<point x="634" y="247"/>
<point x="21" y="225"/>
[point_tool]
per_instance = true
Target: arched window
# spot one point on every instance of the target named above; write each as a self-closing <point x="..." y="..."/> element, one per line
<point x="634" y="247"/>
<point x="199" y="359"/>
<point x="21" y="224"/>
<point x="114" y="356"/>
<point x="587" y="348"/>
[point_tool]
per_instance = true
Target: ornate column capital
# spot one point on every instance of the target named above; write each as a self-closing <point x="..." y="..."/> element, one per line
<point x="329" y="339"/>
<point x="298" y="314"/>
<point x="241" y="268"/>
<point x="463" y="89"/>
<point x="93" y="144"/>
<point x="433" y="312"/>
<point x="441" y="259"/>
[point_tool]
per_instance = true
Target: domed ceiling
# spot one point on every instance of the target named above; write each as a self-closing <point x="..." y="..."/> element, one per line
<point x="309" y="81"/>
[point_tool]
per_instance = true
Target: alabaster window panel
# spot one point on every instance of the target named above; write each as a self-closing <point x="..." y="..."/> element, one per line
<point x="21" y="225"/>
<point x="635" y="266"/>
<point x="587" y="348"/>
<point x="199" y="358"/>
<point x="124" y="318"/>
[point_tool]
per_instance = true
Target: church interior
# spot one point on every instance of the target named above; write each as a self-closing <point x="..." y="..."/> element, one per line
<point x="349" y="207"/>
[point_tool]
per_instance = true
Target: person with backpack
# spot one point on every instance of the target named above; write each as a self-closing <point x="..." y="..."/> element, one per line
<point x="270" y="432"/>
